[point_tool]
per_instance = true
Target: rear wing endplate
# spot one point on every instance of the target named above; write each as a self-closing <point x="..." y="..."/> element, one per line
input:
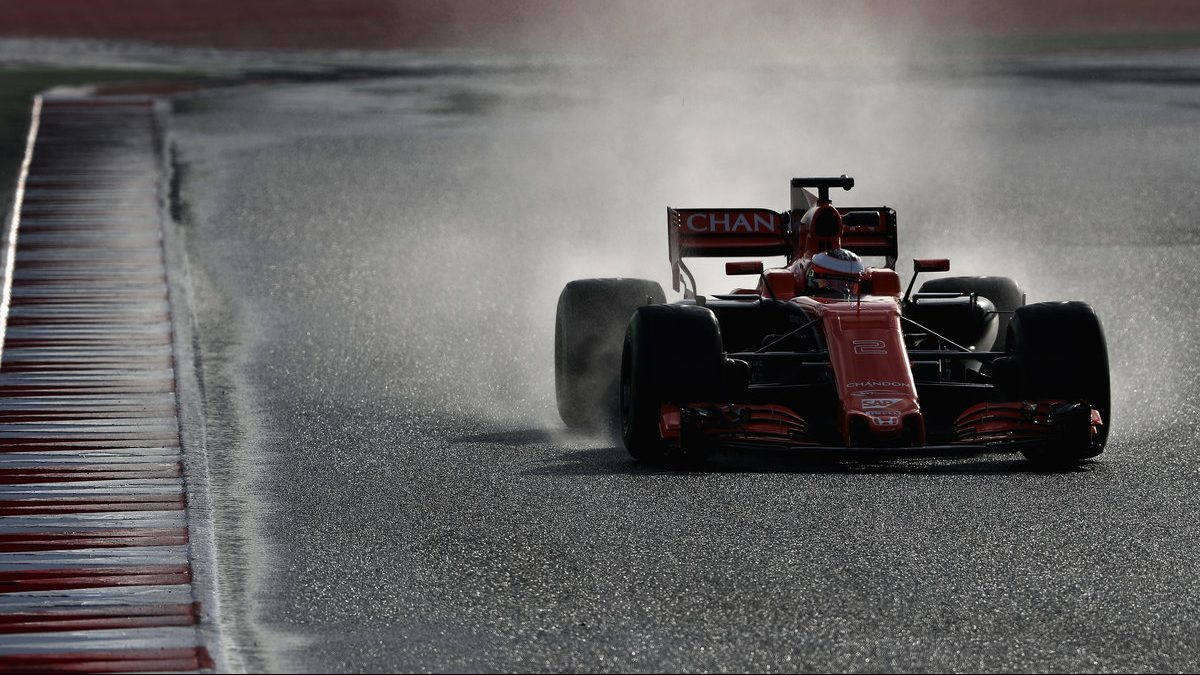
<point x="871" y="231"/>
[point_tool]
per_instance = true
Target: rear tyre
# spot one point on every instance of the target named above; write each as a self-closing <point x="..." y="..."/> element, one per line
<point x="1005" y="294"/>
<point x="672" y="354"/>
<point x="1059" y="352"/>
<point x="589" y="326"/>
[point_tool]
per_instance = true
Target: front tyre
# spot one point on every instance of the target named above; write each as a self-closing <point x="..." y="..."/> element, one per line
<point x="1059" y="352"/>
<point x="672" y="354"/>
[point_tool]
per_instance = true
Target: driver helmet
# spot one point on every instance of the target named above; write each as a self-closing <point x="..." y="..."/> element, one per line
<point x="836" y="272"/>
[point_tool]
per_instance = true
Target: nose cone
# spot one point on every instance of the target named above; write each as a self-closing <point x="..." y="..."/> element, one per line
<point x="884" y="422"/>
<point x="879" y="405"/>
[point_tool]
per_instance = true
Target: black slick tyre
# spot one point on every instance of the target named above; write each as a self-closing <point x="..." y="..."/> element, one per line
<point x="1005" y="294"/>
<point x="672" y="354"/>
<point x="1058" y="351"/>
<point x="589" y="327"/>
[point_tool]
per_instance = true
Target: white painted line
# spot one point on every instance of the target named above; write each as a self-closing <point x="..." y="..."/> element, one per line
<point x="64" y="429"/>
<point x="10" y="243"/>
<point x="94" y="557"/>
<point x="121" y="639"/>
<point x="92" y="487"/>
<point x="87" y="457"/>
<point x="45" y="378"/>
<point x="65" y="400"/>
<point x="126" y="596"/>
<point x="97" y="492"/>
<point x="70" y="522"/>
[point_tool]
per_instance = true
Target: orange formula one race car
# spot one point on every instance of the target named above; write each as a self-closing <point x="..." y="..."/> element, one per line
<point x="827" y="353"/>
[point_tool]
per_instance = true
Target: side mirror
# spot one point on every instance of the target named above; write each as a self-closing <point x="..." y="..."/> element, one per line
<point x="744" y="267"/>
<point x="925" y="265"/>
<point x="931" y="265"/>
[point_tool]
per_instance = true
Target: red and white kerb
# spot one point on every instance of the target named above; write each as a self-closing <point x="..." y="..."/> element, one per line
<point x="94" y="561"/>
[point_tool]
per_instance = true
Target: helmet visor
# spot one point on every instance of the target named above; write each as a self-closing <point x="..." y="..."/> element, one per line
<point x="832" y="284"/>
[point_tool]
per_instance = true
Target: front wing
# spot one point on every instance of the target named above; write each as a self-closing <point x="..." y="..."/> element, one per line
<point x="986" y="427"/>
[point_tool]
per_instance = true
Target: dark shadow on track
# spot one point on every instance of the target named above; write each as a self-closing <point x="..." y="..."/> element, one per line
<point x="782" y="462"/>
<point x="512" y="437"/>
<point x="607" y="460"/>
<point x="610" y="460"/>
<point x="600" y="462"/>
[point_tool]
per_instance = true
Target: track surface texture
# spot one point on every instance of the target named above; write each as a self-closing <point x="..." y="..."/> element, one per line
<point x="375" y="264"/>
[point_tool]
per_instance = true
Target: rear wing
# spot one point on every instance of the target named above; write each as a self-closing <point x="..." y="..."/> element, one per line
<point x="706" y="233"/>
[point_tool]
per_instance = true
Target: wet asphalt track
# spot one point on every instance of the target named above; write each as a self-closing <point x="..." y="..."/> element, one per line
<point x="375" y="265"/>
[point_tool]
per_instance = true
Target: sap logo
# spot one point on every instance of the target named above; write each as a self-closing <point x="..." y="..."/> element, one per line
<point x="873" y="383"/>
<point x="727" y="222"/>
<point x="872" y="347"/>
<point x="869" y="403"/>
